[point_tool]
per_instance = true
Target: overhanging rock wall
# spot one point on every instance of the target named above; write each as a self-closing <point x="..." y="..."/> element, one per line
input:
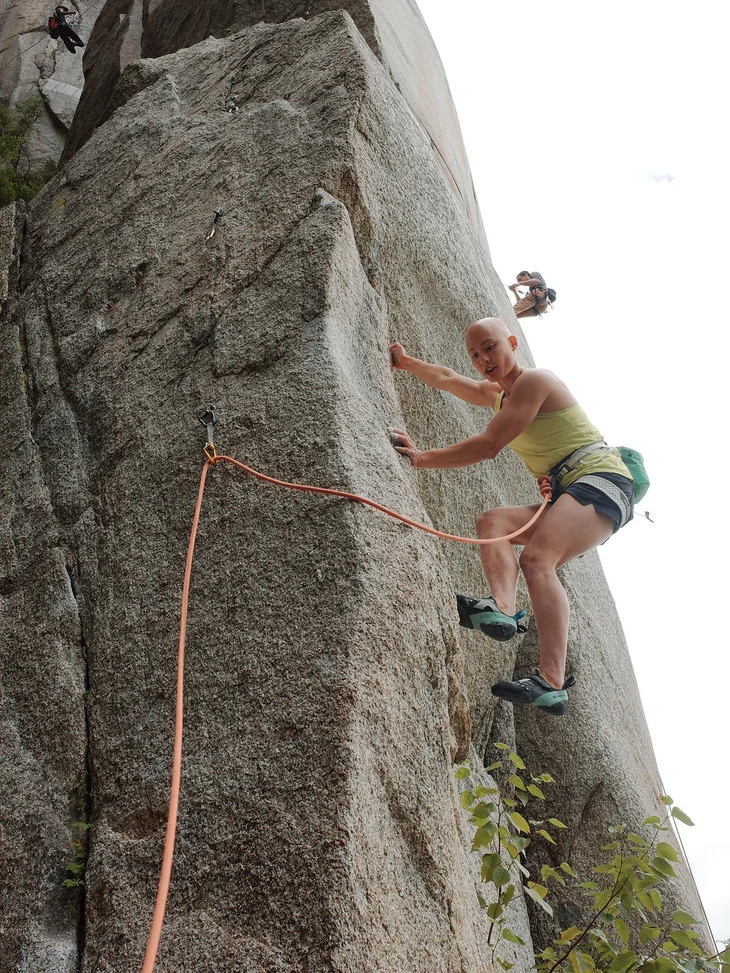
<point x="328" y="686"/>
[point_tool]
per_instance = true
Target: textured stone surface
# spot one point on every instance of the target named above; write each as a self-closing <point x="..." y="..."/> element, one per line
<point x="393" y="29"/>
<point x="319" y="823"/>
<point x="43" y="734"/>
<point x="34" y="64"/>
<point x="326" y="676"/>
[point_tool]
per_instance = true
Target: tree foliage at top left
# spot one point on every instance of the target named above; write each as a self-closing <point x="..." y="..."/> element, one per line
<point x="18" y="178"/>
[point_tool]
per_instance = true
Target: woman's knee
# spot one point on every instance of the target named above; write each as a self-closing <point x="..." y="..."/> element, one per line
<point x="534" y="561"/>
<point x="491" y="524"/>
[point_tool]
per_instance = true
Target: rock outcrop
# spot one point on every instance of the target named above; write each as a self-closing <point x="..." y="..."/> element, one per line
<point x="32" y="64"/>
<point x="394" y="31"/>
<point x="328" y="687"/>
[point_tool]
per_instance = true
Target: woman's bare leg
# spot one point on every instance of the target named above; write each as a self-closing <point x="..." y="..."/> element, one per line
<point x="498" y="560"/>
<point x="567" y="530"/>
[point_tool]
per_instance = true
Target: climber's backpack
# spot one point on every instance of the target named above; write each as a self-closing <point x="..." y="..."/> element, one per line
<point x="634" y="462"/>
<point x="53" y="25"/>
<point x="552" y="296"/>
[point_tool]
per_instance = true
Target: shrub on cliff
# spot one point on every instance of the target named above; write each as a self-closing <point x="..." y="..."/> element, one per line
<point x="625" y="928"/>
<point x="17" y="179"/>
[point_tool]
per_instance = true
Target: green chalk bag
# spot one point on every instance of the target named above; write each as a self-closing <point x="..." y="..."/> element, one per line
<point x="634" y="462"/>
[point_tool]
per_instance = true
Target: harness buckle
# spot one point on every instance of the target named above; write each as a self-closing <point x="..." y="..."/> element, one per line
<point x="577" y="456"/>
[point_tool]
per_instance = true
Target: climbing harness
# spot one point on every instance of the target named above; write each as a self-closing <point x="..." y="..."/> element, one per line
<point x="631" y="458"/>
<point x="216" y="220"/>
<point x="570" y="462"/>
<point x="209" y="419"/>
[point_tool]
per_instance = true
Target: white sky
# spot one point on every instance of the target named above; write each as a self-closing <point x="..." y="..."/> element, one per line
<point x="567" y="109"/>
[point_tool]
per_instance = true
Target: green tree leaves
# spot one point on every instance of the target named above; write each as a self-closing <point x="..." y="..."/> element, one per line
<point x="17" y="179"/>
<point x="519" y="822"/>
<point x="681" y="816"/>
<point x="624" y="929"/>
<point x="666" y="851"/>
<point x="501" y="837"/>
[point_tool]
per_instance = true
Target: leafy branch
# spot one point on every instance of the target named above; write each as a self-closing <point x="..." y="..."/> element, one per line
<point x="623" y="932"/>
<point x="18" y="180"/>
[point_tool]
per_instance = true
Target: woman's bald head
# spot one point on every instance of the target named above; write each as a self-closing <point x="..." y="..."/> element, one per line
<point x="488" y="328"/>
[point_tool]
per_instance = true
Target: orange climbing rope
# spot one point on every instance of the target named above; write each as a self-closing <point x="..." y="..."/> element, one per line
<point x="212" y="458"/>
<point x="159" y="914"/>
<point x="543" y="483"/>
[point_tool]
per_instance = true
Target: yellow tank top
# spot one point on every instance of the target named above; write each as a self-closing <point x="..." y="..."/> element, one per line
<point x="553" y="436"/>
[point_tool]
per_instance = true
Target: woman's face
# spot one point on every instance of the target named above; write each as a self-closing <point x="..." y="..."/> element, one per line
<point x="491" y="349"/>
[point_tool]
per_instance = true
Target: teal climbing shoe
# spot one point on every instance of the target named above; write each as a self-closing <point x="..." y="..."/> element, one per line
<point x="483" y="615"/>
<point x="536" y="691"/>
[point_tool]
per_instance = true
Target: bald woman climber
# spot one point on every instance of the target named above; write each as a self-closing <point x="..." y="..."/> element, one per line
<point x="538" y="417"/>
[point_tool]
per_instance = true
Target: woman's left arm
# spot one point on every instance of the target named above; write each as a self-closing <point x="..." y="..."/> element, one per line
<point x="515" y="415"/>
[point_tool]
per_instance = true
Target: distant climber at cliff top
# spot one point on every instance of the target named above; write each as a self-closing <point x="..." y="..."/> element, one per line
<point x="539" y="298"/>
<point x="58" y="27"/>
<point x="593" y="496"/>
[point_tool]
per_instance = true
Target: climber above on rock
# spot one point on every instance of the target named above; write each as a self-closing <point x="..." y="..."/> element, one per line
<point x="58" y="27"/>
<point x="539" y="298"/>
<point x="593" y="496"/>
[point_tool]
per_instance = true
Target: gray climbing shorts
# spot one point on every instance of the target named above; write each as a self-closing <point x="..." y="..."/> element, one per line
<point x="610" y="493"/>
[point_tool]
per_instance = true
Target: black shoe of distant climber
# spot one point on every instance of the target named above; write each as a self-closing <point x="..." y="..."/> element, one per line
<point x="59" y="27"/>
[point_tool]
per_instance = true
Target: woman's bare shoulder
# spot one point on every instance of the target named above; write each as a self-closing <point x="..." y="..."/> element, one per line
<point x="557" y="394"/>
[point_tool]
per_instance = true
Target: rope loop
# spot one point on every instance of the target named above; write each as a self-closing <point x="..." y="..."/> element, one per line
<point x="545" y="485"/>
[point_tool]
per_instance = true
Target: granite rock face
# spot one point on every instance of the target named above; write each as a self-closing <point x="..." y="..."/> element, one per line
<point x="395" y="32"/>
<point x="328" y="686"/>
<point x="320" y="827"/>
<point x="34" y="64"/>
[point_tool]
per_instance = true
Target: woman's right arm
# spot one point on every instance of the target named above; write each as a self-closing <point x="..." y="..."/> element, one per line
<point x="439" y="377"/>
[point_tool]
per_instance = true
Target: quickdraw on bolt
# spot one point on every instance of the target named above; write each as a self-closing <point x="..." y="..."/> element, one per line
<point x="208" y="419"/>
<point x="216" y="219"/>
